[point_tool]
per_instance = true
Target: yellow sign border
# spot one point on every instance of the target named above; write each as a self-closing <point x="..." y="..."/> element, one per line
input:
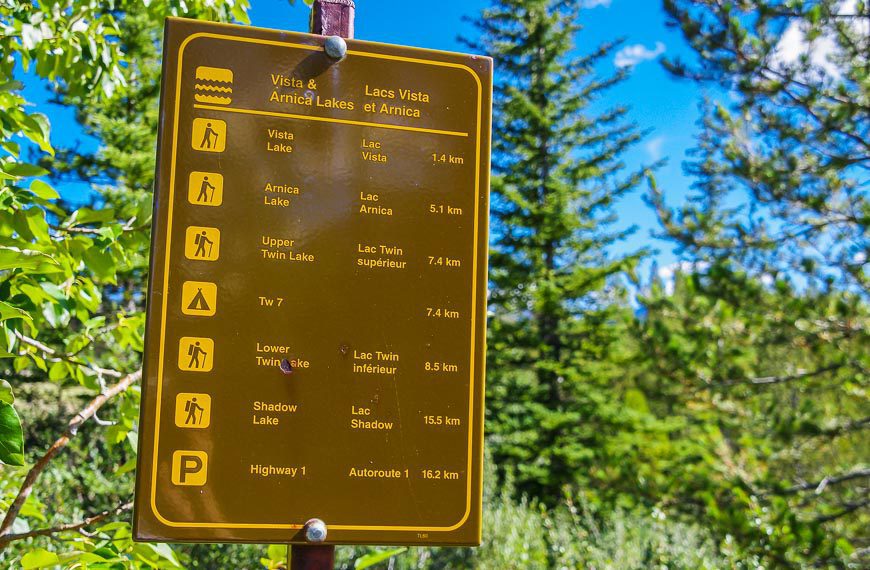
<point x="161" y="356"/>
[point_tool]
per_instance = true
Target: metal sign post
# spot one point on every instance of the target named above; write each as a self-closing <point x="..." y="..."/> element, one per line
<point x="334" y="19"/>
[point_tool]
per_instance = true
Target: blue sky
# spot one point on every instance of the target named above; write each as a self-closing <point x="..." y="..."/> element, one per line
<point x="659" y="103"/>
<point x="667" y="107"/>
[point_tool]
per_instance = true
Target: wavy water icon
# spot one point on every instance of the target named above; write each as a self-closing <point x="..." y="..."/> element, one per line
<point x="213" y="85"/>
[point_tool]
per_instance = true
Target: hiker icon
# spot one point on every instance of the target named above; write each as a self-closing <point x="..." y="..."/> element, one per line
<point x="202" y="243"/>
<point x="192" y="410"/>
<point x="205" y="189"/>
<point x="195" y="354"/>
<point x="209" y="135"/>
<point x="204" y="195"/>
<point x="199" y="298"/>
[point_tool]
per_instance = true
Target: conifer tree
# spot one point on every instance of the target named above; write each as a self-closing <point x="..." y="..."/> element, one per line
<point x="767" y="334"/>
<point x="556" y="309"/>
<point x="793" y="141"/>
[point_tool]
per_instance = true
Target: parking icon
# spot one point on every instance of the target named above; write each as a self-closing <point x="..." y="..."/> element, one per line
<point x="189" y="468"/>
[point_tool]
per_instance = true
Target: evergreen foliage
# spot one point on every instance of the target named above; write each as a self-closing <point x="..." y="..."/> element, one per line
<point x="557" y="307"/>
<point x="792" y="150"/>
<point x="763" y="343"/>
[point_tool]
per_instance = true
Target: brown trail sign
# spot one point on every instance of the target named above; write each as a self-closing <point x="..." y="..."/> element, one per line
<point x="317" y="304"/>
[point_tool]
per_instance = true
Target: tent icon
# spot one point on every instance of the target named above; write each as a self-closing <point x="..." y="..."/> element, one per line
<point x="198" y="303"/>
<point x="199" y="298"/>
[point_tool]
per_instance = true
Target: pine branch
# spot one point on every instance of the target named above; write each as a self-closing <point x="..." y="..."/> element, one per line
<point x="78" y="526"/>
<point x="861" y="553"/>
<point x="819" y="486"/>
<point x="848" y="509"/>
<point x="846" y="427"/>
<point x="72" y="429"/>
<point x="765" y="380"/>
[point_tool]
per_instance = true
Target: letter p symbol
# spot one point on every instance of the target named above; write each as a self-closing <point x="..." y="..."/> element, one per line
<point x="189" y="468"/>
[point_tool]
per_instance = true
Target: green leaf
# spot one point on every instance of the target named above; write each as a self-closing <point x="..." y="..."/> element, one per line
<point x="101" y="262"/>
<point x="370" y="560"/>
<point x="117" y="525"/>
<point x="11" y="86"/>
<point x="21" y="363"/>
<point x="27" y="259"/>
<point x="111" y="232"/>
<point x="43" y="123"/>
<point x="37" y="224"/>
<point x="11" y="437"/>
<point x="636" y="400"/>
<point x="127" y="467"/>
<point x="43" y="190"/>
<point x="58" y="371"/>
<point x="165" y="551"/>
<point x="8" y="312"/>
<point x="89" y="216"/>
<point x="153" y="553"/>
<point x="6" y="395"/>
<point x="97" y="558"/>
<point x="11" y="147"/>
<point x="39" y="558"/>
<point x="33" y="509"/>
<point x="36" y="127"/>
<point x="22" y="169"/>
<point x="276" y="552"/>
<point x="240" y="14"/>
<point x="133" y="440"/>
